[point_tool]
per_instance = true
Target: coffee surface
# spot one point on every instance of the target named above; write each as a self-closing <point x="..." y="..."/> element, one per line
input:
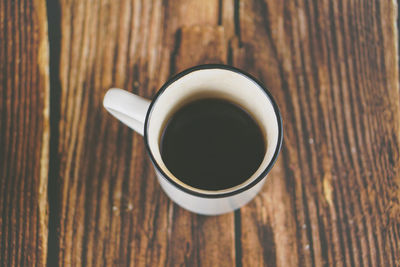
<point x="212" y="144"/>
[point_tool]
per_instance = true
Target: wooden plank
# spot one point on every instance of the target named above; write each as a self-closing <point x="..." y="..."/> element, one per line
<point x="112" y="211"/>
<point x="197" y="240"/>
<point x="333" y="198"/>
<point x="24" y="133"/>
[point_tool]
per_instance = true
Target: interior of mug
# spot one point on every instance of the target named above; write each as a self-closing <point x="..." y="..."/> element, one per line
<point x="220" y="83"/>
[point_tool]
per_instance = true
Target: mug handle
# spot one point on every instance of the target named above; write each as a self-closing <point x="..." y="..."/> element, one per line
<point x="130" y="109"/>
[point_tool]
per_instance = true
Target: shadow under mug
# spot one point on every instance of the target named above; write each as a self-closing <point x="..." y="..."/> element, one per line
<point x="149" y="118"/>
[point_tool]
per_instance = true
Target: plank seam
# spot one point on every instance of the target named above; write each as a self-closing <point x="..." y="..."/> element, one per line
<point x="54" y="36"/>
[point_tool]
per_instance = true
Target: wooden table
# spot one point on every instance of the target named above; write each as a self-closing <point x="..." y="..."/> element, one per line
<point x="77" y="189"/>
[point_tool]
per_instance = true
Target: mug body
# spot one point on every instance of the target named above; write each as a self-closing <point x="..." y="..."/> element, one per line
<point x="203" y="204"/>
<point x="213" y="81"/>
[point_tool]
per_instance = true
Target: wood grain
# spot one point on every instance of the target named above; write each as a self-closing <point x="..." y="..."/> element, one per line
<point x="111" y="210"/>
<point x="24" y="133"/>
<point x="333" y="198"/>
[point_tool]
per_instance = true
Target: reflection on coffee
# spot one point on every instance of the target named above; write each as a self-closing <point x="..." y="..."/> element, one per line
<point x="212" y="144"/>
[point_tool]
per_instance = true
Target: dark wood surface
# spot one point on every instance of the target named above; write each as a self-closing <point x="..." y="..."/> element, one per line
<point x="77" y="188"/>
<point x="24" y="133"/>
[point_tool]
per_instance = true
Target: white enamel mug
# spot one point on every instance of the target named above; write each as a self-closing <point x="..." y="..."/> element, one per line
<point x="148" y="118"/>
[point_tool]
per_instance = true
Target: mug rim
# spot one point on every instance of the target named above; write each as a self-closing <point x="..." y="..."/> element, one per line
<point x="224" y="67"/>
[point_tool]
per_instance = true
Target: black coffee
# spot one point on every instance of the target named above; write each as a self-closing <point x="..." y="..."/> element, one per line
<point x="212" y="144"/>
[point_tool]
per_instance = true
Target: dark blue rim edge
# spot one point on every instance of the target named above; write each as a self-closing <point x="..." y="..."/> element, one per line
<point x="215" y="66"/>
